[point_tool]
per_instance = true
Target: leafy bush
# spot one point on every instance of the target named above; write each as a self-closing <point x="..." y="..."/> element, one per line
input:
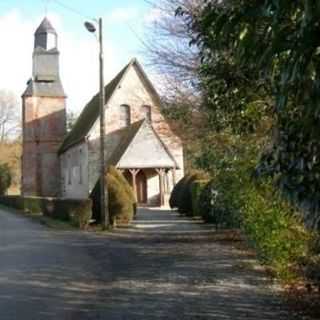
<point x="220" y="201"/>
<point x="197" y="187"/>
<point x="275" y="229"/>
<point x="5" y="178"/>
<point x="125" y="184"/>
<point x="185" y="195"/>
<point x="121" y="198"/>
<point x="175" y="194"/>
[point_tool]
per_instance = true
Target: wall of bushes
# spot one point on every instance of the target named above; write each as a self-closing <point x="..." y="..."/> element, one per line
<point x="76" y="211"/>
<point x="273" y="226"/>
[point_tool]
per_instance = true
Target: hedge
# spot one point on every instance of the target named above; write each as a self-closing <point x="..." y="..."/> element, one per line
<point x="76" y="211"/>
<point x="122" y="202"/>
<point x="185" y="195"/>
<point x="197" y="187"/>
<point x="175" y="194"/>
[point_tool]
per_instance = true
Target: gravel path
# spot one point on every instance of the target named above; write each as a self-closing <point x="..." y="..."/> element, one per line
<point x="164" y="267"/>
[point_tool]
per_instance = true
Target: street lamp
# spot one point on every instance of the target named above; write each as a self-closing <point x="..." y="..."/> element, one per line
<point x="104" y="207"/>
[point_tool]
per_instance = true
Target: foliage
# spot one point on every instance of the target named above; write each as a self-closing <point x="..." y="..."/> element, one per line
<point x="196" y="189"/>
<point x="175" y="194"/>
<point x="5" y="178"/>
<point x="185" y="196"/>
<point x="275" y="229"/>
<point x="26" y="204"/>
<point x="121" y="200"/>
<point x="76" y="211"/>
<point x="10" y="153"/>
<point x="220" y="203"/>
<point x="258" y="50"/>
<point x="120" y="177"/>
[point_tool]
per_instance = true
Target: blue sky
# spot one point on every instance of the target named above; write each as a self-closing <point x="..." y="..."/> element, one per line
<point x="125" y="24"/>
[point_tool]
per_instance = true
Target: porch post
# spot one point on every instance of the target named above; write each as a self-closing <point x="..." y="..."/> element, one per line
<point x="160" y="173"/>
<point x="134" y="173"/>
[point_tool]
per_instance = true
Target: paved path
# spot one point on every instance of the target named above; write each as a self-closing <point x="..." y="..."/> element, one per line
<point x="165" y="267"/>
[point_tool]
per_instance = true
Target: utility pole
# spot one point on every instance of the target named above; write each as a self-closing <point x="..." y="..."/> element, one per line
<point x="104" y="203"/>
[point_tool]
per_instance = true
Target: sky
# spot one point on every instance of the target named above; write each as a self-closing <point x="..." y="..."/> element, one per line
<point x="125" y="25"/>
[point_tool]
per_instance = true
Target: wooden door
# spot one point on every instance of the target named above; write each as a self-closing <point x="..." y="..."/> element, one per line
<point x="141" y="185"/>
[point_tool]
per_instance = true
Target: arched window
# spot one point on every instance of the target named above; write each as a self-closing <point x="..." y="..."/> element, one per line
<point x="125" y="117"/>
<point x="146" y="111"/>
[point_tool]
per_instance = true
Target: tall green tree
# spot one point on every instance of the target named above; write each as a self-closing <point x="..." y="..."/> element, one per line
<point x="271" y="47"/>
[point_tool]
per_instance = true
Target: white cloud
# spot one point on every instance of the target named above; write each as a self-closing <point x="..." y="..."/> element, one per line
<point x="78" y="57"/>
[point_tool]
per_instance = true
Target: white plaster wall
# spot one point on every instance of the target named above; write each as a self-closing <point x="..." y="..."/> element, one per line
<point x="75" y="161"/>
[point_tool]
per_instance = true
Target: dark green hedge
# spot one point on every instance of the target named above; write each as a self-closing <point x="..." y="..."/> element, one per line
<point x="181" y="196"/>
<point x="196" y="189"/>
<point x="26" y="204"/>
<point x="76" y="211"/>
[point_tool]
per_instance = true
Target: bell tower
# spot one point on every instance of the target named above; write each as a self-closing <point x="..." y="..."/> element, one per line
<point x="44" y="117"/>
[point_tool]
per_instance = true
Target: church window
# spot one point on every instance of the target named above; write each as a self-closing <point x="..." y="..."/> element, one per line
<point x="146" y="111"/>
<point x="125" y="117"/>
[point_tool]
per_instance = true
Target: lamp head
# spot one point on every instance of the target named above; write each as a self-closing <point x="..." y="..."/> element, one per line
<point x="90" y="27"/>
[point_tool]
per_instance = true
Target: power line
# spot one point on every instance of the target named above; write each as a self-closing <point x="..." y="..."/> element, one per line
<point x="73" y="10"/>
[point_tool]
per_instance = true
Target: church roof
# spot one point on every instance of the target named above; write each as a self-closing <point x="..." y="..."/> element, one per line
<point x="45" y="27"/>
<point x="141" y="147"/>
<point x="91" y="111"/>
<point x="44" y="89"/>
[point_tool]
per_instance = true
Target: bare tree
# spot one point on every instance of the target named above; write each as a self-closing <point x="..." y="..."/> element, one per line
<point x="168" y="51"/>
<point x="10" y="125"/>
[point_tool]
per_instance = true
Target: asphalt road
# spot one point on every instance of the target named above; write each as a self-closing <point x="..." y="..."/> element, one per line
<point x="165" y="268"/>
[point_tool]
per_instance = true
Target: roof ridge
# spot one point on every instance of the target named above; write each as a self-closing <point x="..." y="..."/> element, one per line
<point x="90" y="113"/>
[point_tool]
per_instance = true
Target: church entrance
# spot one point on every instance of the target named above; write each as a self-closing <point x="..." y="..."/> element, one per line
<point x="138" y="180"/>
<point x="141" y="187"/>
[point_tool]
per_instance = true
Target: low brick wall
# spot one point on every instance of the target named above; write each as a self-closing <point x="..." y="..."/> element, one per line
<point x="76" y="211"/>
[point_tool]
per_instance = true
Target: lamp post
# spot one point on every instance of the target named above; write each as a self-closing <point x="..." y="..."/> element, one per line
<point x="104" y="207"/>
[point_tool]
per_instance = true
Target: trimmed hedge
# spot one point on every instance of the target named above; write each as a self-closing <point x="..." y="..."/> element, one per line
<point x="26" y="204"/>
<point x="185" y="195"/>
<point x="196" y="189"/>
<point x="76" y="211"/>
<point x="122" y="202"/>
<point x="175" y="194"/>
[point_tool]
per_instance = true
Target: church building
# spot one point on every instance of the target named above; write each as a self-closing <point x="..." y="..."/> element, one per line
<point x="138" y="140"/>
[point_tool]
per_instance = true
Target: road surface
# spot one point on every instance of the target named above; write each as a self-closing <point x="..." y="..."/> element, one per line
<point x="166" y="267"/>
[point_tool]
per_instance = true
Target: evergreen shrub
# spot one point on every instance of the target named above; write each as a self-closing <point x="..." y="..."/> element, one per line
<point x="122" y="201"/>
<point x="175" y="194"/>
<point x="197" y="187"/>
<point x="185" y="195"/>
<point x="221" y="201"/>
<point x="5" y="178"/>
<point x="275" y="229"/>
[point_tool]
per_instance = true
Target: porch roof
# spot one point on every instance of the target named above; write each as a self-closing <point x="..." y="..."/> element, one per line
<point x="141" y="148"/>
